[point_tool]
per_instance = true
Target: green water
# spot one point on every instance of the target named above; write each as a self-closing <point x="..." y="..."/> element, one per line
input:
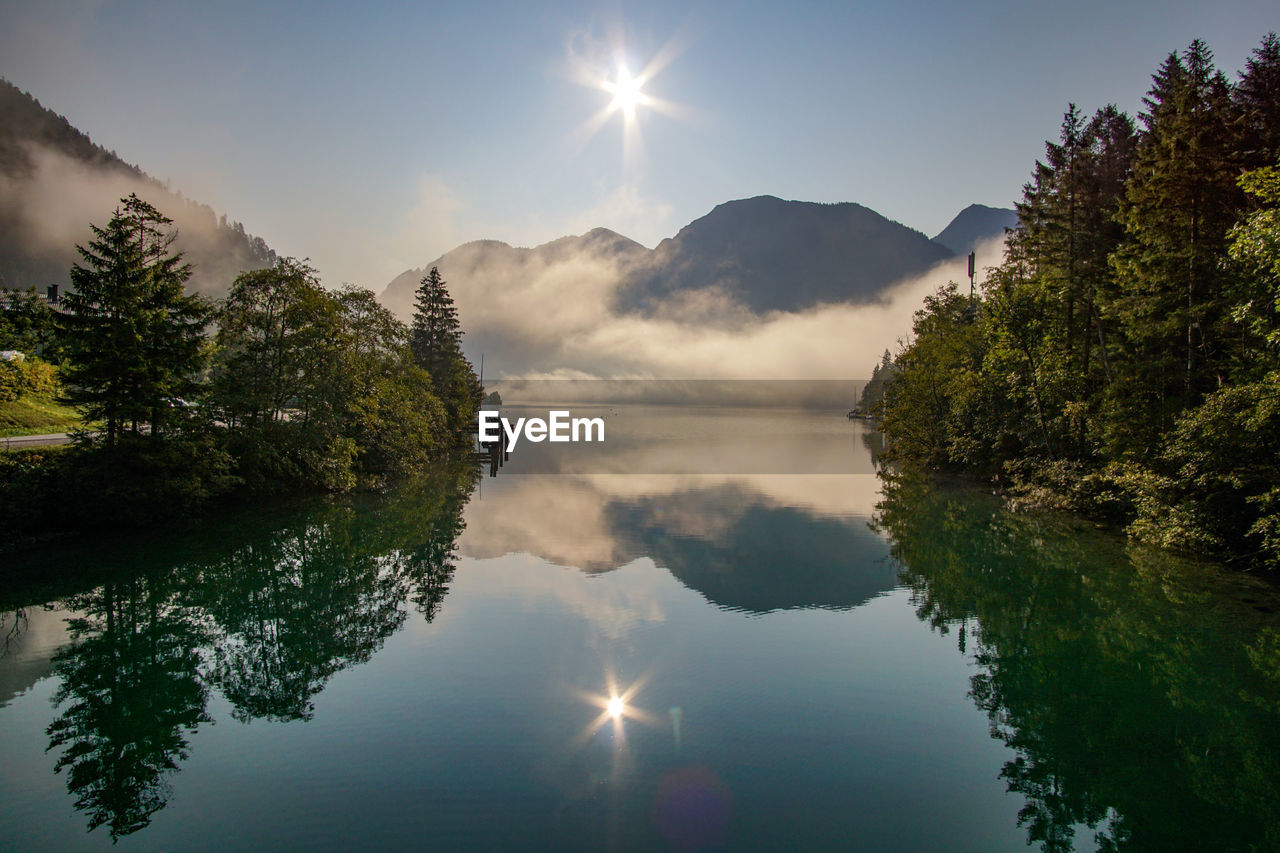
<point x="801" y="661"/>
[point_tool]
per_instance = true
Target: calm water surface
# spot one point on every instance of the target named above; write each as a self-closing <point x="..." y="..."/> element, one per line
<point x="616" y="659"/>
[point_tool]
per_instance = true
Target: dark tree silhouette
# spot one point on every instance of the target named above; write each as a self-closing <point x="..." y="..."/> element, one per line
<point x="135" y="337"/>
<point x="436" y="335"/>
<point x="131" y="692"/>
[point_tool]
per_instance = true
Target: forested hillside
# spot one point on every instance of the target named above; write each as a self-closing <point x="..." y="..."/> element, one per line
<point x="1123" y="360"/>
<point x="54" y="180"/>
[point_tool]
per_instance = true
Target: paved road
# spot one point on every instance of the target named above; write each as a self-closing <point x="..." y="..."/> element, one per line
<point x="19" y="441"/>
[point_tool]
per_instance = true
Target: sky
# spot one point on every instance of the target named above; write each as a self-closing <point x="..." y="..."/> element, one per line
<point x="374" y="137"/>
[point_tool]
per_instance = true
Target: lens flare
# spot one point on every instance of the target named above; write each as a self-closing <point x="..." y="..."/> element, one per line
<point x="626" y="93"/>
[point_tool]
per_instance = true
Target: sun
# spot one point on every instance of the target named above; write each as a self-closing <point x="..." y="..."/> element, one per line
<point x="626" y="93"/>
<point x="616" y="707"/>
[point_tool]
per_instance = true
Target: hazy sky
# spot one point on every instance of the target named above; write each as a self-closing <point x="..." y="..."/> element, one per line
<point x="374" y="137"/>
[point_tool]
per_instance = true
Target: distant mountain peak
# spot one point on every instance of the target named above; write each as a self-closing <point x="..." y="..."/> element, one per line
<point x="975" y="223"/>
<point x="777" y="255"/>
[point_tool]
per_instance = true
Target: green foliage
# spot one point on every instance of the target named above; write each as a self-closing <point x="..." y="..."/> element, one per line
<point x="872" y="396"/>
<point x="307" y="388"/>
<point x="29" y="325"/>
<point x="436" y="343"/>
<point x="1224" y="456"/>
<point x="320" y="388"/>
<point x="1255" y="253"/>
<point x="1121" y="360"/>
<point x="135" y="339"/>
<point x="1259" y="106"/>
<point x="1180" y="201"/>
<point x="926" y="401"/>
<point x="27" y="376"/>
<point x="437" y="335"/>
<point x="269" y="328"/>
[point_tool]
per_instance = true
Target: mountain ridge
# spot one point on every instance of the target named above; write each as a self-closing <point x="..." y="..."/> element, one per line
<point x="54" y="180"/>
<point x="763" y="253"/>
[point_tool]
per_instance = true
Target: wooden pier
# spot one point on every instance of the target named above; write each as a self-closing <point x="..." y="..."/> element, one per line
<point x="495" y="453"/>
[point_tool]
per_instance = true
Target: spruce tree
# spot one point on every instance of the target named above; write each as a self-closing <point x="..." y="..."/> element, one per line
<point x="135" y="337"/>
<point x="1180" y="200"/>
<point x="436" y="334"/>
<point x="1046" y="304"/>
<point x="1257" y="97"/>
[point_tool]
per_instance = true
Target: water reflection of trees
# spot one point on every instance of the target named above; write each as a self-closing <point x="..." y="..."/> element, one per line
<point x="131" y="691"/>
<point x="266" y="622"/>
<point x="1139" y="692"/>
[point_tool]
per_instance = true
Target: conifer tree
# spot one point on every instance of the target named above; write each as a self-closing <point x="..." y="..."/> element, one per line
<point x="1046" y="304"/>
<point x="1257" y="96"/>
<point x="436" y="333"/>
<point x="1180" y="201"/>
<point x="135" y="337"/>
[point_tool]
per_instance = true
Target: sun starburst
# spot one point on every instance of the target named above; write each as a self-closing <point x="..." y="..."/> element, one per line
<point x="627" y="94"/>
<point x="607" y="68"/>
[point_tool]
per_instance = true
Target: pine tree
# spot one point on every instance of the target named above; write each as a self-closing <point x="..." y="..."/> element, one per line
<point x="1180" y="200"/>
<point x="135" y="337"/>
<point x="1257" y="97"/>
<point x="436" y="333"/>
<point x="1046" y="304"/>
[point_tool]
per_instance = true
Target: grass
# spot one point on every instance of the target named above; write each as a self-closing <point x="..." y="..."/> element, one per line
<point x="30" y="415"/>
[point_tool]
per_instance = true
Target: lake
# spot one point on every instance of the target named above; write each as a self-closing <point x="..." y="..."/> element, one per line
<point x="719" y="631"/>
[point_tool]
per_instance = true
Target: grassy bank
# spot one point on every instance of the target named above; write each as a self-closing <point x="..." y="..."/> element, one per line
<point x="32" y="415"/>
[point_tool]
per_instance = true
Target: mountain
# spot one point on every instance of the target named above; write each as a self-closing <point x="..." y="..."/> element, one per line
<point x="975" y="223"/>
<point x="491" y="267"/>
<point x="54" y="181"/>
<point x="749" y="564"/>
<point x="765" y="253"/>
<point x="775" y="255"/>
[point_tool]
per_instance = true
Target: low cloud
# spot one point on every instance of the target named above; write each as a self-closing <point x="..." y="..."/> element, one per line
<point x="552" y="314"/>
<point x="49" y="201"/>
<point x="54" y="201"/>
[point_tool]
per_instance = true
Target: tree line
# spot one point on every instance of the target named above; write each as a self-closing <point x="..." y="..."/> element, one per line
<point x="1122" y="359"/>
<point x="282" y="385"/>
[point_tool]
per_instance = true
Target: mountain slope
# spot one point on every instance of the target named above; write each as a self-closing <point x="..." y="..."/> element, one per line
<point x="771" y="254"/>
<point x="763" y="253"/>
<point x="54" y="181"/>
<point x="975" y="223"/>
<point x="491" y="267"/>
